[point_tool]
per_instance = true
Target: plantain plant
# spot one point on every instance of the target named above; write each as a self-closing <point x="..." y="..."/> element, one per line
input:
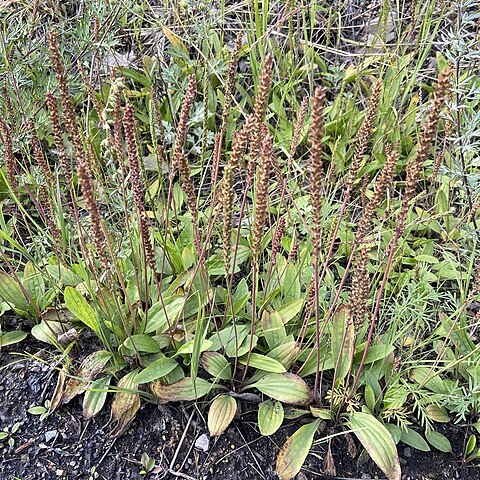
<point x="235" y="244"/>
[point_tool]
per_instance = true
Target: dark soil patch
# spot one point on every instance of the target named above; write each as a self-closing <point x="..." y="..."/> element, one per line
<point x="66" y="446"/>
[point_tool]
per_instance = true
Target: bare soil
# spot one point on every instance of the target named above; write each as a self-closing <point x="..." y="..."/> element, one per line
<point x="66" y="446"/>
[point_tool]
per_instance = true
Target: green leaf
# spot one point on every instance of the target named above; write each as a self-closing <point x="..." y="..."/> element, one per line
<point x="261" y="362"/>
<point x="295" y="450"/>
<point x="439" y="441"/>
<point x="48" y="332"/>
<point x="426" y="259"/>
<point x="33" y="281"/>
<point x="188" y="347"/>
<point x="290" y="309"/>
<point x="414" y="439"/>
<point x="470" y="447"/>
<point x="375" y="353"/>
<point x="285" y="387"/>
<point x="395" y="432"/>
<point x="434" y="382"/>
<point x="77" y="304"/>
<point x="157" y="369"/>
<point x="95" y="397"/>
<point x="159" y="312"/>
<point x="142" y="343"/>
<point x="270" y="417"/>
<point x="229" y="338"/>
<point x="9" y="338"/>
<point x="221" y="413"/>
<point x="343" y="342"/>
<point x="11" y="293"/>
<point x="273" y="328"/>
<point x="378" y="442"/>
<point x="37" y="410"/>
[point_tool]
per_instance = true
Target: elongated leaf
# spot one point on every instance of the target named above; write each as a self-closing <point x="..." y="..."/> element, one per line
<point x="375" y="352"/>
<point x="439" y="441"/>
<point x="95" y="397"/>
<point x="437" y="414"/>
<point x="11" y="293"/>
<point x="142" y="343"/>
<point x="33" y="281"/>
<point x="414" y="439"/>
<point x="183" y="390"/>
<point x="285" y="387"/>
<point x="434" y="382"/>
<point x="378" y="442"/>
<point x="286" y="353"/>
<point x="290" y="309"/>
<point x="9" y="338"/>
<point x="169" y="309"/>
<point x="295" y="450"/>
<point x="77" y="304"/>
<point x="343" y="342"/>
<point x="221" y="413"/>
<point x="273" y="328"/>
<point x="270" y="417"/>
<point x="216" y="365"/>
<point x="262" y="362"/>
<point x="157" y="369"/>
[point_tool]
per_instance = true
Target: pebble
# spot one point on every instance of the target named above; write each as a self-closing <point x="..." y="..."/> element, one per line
<point x="203" y="442"/>
<point x="407" y="451"/>
<point x="50" y="435"/>
<point x="59" y="473"/>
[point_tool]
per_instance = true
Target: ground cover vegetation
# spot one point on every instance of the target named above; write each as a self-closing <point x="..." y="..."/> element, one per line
<point x="262" y="203"/>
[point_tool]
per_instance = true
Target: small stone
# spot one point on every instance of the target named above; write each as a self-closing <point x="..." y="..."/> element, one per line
<point x="50" y="434"/>
<point x="203" y="442"/>
<point x="59" y="472"/>
<point x="407" y="451"/>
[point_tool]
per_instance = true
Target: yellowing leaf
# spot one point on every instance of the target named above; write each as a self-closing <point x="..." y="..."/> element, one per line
<point x="221" y="413"/>
<point x="216" y="365"/>
<point x="378" y="442"/>
<point x="437" y="414"/>
<point x="183" y="390"/>
<point x="125" y="404"/>
<point x="343" y="342"/>
<point x="174" y="39"/>
<point x="285" y="387"/>
<point x="88" y="370"/>
<point x="295" y="450"/>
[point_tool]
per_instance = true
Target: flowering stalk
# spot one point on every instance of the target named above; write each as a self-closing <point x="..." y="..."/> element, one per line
<point x="414" y="169"/>
<point x="6" y="138"/>
<point x="137" y="185"/>
<point x="85" y="177"/>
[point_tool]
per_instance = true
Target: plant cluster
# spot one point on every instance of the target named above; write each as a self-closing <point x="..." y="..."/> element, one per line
<point x="240" y="244"/>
